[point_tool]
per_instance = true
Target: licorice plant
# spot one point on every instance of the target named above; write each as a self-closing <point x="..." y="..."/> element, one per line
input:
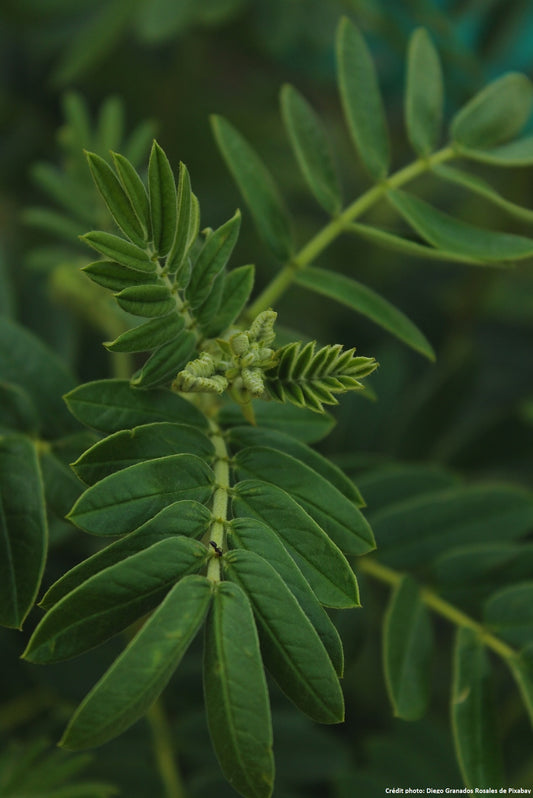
<point x="221" y="517"/>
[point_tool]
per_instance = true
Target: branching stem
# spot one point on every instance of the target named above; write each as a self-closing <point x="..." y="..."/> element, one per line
<point x="338" y="225"/>
<point x="220" y="501"/>
<point x="443" y="608"/>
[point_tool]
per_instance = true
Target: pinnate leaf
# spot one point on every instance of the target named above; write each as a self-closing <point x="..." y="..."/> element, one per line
<point x="149" y="335"/>
<point x="363" y="300"/>
<point x="336" y="515"/>
<point x="187" y="518"/>
<point x="185" y="211"/>
<point x="509" y="613"/>
<point x="361" y="100"/>
<point x="474" y="723"/>
<point x="146" y="300"/>
<point x="236" y="289"/>
<point x="212" y="259"/>
<point x="112" y="599"/>
<point x="255" y="536"/>
<point x="116" y="199"/>
<point x="147" y="442"/>
<point x="236" y="697"/>
<point x="163" y="364"/>
<point x="137" y="677"/>
<point x="126" y="499"/>
<point x="407" y="648"/>
<point x="291" y="648"/>
<point x="424" y="95"/>
<point x="119" y="250"/>
<point x="496" y="114"/>
<point x="163" y="200"/>
<point x="445" y="232"/>
<point x="257" y="187"/>
<point x="117" y="277"/>
<point x="112" y="405"/>
<point x="318" y="558"/>
<point x="134" y="188"/>
<point x="23" y="528"/>
<point x="311" y="149"/>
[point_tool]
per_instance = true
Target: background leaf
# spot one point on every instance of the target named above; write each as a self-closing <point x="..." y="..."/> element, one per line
<point x="361" y="100"/>
<point x="257" y="187"/>
<point x="407" y="649"/>
<point x="424" y="94"/>
<point x="473" y="718"/>
<point x="23" y="528"/>
<point x="311" y="149"/>
<point x="363" y="300"/>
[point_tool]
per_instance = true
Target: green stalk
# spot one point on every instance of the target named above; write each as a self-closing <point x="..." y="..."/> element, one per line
<point x="220" y="502"/>
<point x="443" y="608"/>
<point x="164" y="753"/>
<point x="338" y="225"/>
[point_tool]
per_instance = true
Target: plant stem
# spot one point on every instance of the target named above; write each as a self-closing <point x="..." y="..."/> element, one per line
<point x="220" y="501"/>
<point x="338" y="224"/>
<point x="164" y="753"/>
<point x="443" y="608"/>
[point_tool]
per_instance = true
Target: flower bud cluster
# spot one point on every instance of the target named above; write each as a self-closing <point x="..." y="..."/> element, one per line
<point x="236" y="364"/>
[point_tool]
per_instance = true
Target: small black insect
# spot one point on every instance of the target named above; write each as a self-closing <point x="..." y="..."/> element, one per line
<point x="217" y="549"/>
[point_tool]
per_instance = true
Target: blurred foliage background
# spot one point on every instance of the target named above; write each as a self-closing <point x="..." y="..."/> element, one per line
<point x="162" y="66"/>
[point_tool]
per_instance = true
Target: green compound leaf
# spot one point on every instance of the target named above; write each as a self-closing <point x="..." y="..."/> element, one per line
<point x="112" y="405"/>
<point x="146" y="300"/>
<point x="413" y="532"/>
<point x="163" y="365"/>
<point x="303" y="424"/>
<point x="308" y="378"/>
<point x="363" y="300"/>
<point x="483" y="189"/>
<point x="120" y="250"/>
<point x="522" y="669"/>
<point x="474" y="722"/>
<point x="382" y="238"/>
<point x="361" y="100"/>
<point x="291" y="648"/>
<point x="236" y="288"/>
<point x="509" y="613"/>
<point x="187" y="518"/>
<point x="446" y="232"/>
<point x="112" y="599"/>
<point x="123" y="501"/>
<point x="137" y="677"/>
<point x="253" y="535"/>
<point x="236" y="697"/>
<point x="117" y="277"/>
<point x="149" y="335"/>
<point x="495" y="115"/>
<point x="163" y="200"/>
<point x="23" y="528"/>
<point x="407" y="649"/>
<point x="311" y="149"/>
<point x="243" y="437"/>
<point x="321" y="562"/>
<point x="185" y="212"/>
<point x="516" y="153"/>
<point x="213" y="257"/>
<point x="424" y="94"/>
<point x="147" y="442"/>
<point x="342" y="521"/>
<point x="257" y="187"/>
<point x="116" y="199"/>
